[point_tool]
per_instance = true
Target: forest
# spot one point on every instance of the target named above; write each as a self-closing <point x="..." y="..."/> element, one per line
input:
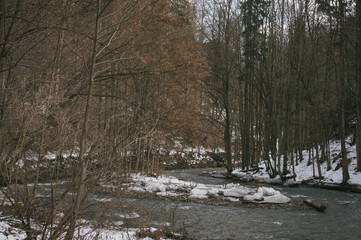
<point x="97" y="90"/>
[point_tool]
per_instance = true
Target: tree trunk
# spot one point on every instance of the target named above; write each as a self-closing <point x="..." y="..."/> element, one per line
<point x="227" y="131"/>
<point x="358" y="84"/>
<point x="318" y="206"/>
<point x="226" y="86"/>
<point x="246" y="130"/>
<point x="83" y="143"/>
<point x="342" y="76"/>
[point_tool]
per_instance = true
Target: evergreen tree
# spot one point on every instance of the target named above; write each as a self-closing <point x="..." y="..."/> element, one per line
<point x="253" y="15"/>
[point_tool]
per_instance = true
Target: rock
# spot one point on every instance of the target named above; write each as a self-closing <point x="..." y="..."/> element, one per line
<point x="198" y="192"/>
<point x="267" y="191"/>
<point x="277" y="198"/>
<point x="235" y="192"/>
<point x="135" y="188"/>
<point x="232" y="199"/>
<point x="213" y="193"/>
<point x="253" y="197"/>
<point x="155" y="187"/>
<point x="167" y="194"/>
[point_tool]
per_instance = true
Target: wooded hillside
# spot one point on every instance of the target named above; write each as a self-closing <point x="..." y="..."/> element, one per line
<point x="116" y="85"/>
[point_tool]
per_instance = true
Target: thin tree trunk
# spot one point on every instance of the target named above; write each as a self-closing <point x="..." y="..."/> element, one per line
<point x="226" y="86"/>
<point x="342" y="75"/>
<point x="358" y="84"/>
<point x="313" y="162"/>
<point x="227" y="133"/>
<point x="83" y="143"/>
<point x="318" y="162"/>
<point x="246" y="130"/>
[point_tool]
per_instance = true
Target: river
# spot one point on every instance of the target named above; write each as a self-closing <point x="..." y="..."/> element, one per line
<point x="341" y="220"/>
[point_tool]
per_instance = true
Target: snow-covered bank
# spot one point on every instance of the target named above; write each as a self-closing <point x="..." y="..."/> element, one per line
<point x="9" y="231"/>
<point x="171" y="186"/>
<point x="308" y="173"/>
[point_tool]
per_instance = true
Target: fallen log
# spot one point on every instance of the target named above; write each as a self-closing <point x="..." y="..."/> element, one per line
<point x="318" y="206"/>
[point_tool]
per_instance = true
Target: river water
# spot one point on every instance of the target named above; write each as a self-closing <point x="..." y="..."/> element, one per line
<point x="341" y="220"/>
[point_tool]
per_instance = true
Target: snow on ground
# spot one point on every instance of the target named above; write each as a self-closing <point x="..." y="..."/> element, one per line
<point x="306" y="172"/>
<point x="171" y="186"/>
<point x="87" y="232"/>
<point x="190" y="156"/>
<point x="10" y="233"/>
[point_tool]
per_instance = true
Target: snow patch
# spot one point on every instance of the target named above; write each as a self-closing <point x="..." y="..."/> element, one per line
<point x="155" y="187"/>
<point x="254" y="197"/>
<point x="10" y="233"/>
<point x="170" y="186"/>
<point x="129" y="215"/>
<point x="309" y="172"/>
<point x="277" y="198"/>
<point x="198" y="192"/>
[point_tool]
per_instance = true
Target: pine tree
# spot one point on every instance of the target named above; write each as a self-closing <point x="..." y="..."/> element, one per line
<point x="253" y="15"/>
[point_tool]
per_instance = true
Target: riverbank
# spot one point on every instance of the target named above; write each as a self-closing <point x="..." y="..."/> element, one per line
<point x="10" y="229"/>
<point x="306" y="172"/>
<point x="313" y="183"/>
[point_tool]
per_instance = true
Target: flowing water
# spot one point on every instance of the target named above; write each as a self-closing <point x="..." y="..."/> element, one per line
<point x="341" y="220"/>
